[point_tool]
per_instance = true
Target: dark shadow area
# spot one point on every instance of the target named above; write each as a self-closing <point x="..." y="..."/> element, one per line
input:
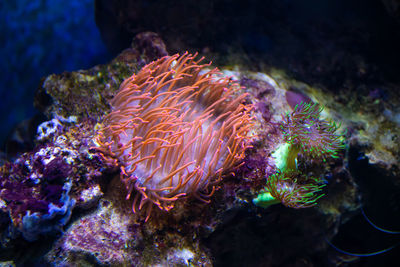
<point x="333" y="43"/>
<point x="380" y="200"/>
<point x="276" y="236"/>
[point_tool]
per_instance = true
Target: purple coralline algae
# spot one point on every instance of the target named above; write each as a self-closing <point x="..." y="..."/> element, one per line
<point x="104" y="234"/>
<point x="40" y="188"/>
<point x="35" y="191"/>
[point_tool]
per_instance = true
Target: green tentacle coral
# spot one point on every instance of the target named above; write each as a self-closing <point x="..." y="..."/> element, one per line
<point x="304" y="132"/>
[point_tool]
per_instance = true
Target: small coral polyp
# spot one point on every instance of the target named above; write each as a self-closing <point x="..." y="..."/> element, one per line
<point x="178" y="129"/>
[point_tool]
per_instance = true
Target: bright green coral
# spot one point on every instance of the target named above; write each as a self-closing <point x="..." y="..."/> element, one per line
<point x="304" y="132"/>
<point x="265" y="199"/>
<point x="286" y="156"/>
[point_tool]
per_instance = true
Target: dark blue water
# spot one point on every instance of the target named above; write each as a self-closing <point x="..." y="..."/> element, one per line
<point x="40" y="37"/>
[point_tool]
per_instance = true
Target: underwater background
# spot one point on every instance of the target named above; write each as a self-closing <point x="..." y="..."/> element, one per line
<point x="61" y="199"/>
<point x="39" y="38"/>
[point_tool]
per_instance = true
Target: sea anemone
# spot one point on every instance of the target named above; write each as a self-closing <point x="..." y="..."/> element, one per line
<point x="317" y="138"/>
<point x="178" y="129"/>
<point x="291" y="188"/>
